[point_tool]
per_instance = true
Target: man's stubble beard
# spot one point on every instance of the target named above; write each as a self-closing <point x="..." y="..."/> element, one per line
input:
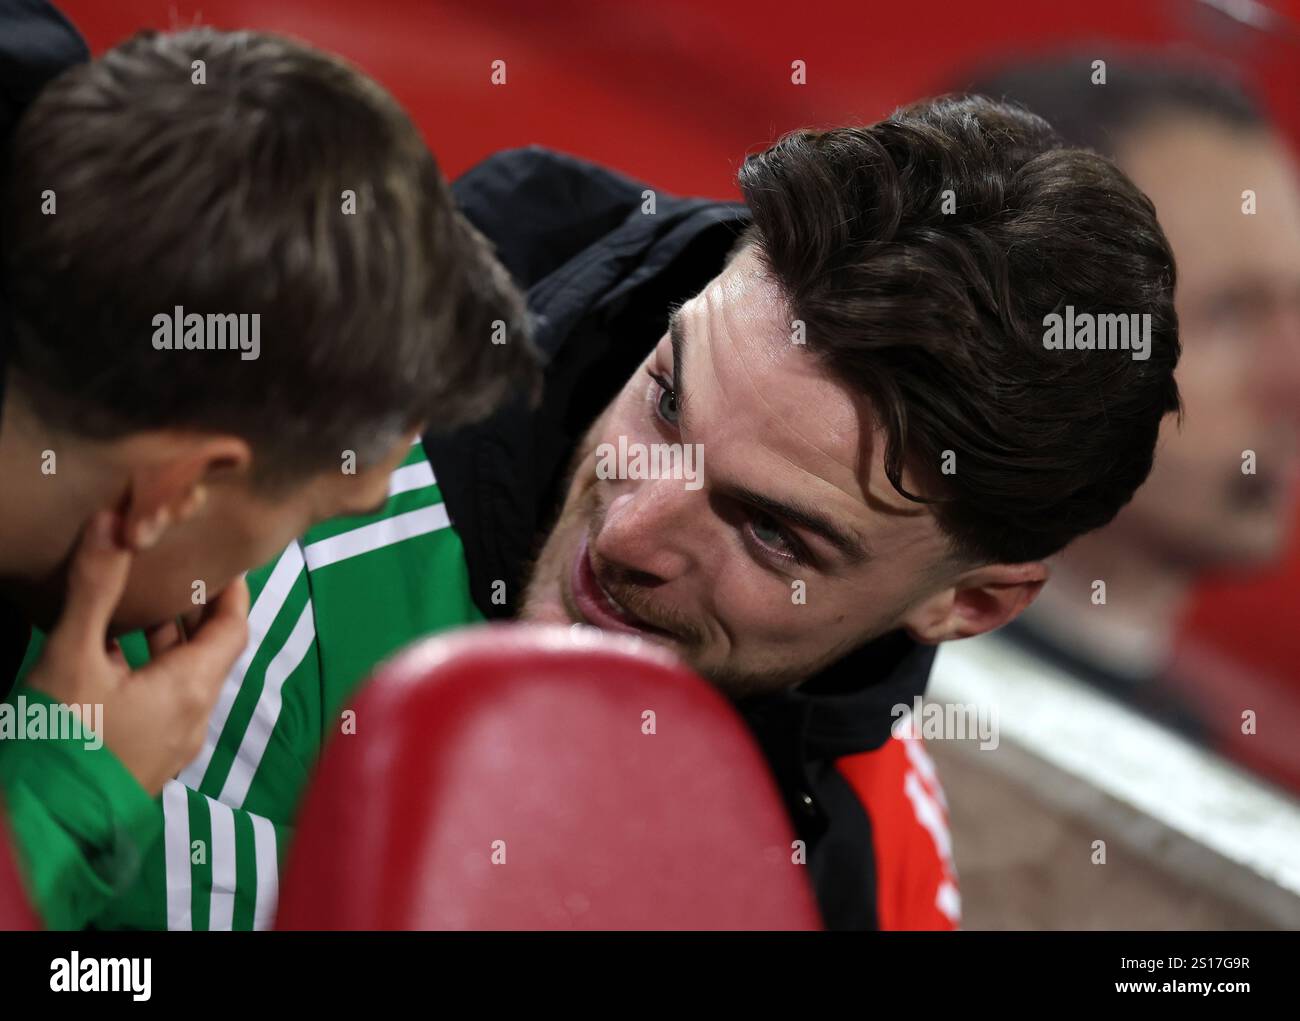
<point x="547" y="568"/>
<point x="554" y="559"/>
<point x="544" y="590"/>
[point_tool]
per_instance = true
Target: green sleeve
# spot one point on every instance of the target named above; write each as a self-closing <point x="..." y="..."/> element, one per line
<point x="81" y="823"/>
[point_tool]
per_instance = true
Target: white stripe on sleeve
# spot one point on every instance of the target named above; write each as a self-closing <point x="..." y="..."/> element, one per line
<point x="269" y="603"/>
<point x="221" y="914"/>
<point x="176" y="847"/>
<point x="268" y="872"/>
<point x="267" y="712"/>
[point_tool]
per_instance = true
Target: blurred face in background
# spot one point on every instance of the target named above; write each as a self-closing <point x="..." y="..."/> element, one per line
<point x="1238" y="301"/>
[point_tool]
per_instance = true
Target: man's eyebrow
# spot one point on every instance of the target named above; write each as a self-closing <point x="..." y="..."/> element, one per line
<point x="843" y="540"/>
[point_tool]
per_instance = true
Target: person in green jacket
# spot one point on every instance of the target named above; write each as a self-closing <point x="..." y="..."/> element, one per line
<point x="238" y="290"/>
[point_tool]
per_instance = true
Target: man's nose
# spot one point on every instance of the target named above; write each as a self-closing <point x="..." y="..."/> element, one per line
<point x="647" y="529"/>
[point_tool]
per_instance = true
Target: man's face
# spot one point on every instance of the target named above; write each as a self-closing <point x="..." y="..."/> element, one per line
<point x="790" y="550"/>
<point x="1238" y="301"/>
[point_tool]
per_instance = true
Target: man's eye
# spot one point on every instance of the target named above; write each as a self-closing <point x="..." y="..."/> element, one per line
<point x="770" y="535"/>
<point x="667" y="403"/>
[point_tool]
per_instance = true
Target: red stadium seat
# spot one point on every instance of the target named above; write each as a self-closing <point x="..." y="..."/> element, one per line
<point x="15" y="912"/>
<point x="518" y="777"/>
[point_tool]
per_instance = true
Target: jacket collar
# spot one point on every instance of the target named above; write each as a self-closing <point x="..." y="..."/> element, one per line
<point x="851" y="706"/>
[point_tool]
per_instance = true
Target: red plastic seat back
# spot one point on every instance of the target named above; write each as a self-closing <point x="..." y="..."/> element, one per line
<point x="517" y="777"/>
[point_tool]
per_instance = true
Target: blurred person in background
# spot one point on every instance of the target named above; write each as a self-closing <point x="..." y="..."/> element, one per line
<point x="1222" y="491"/>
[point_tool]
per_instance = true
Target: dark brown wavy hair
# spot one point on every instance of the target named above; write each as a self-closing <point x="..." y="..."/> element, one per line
<point x="934" y="309"/>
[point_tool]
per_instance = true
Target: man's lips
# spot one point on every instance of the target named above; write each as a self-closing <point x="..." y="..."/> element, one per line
<point x="595" y="606"/>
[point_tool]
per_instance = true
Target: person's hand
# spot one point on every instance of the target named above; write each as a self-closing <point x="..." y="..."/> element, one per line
<point x="154" y="718"/>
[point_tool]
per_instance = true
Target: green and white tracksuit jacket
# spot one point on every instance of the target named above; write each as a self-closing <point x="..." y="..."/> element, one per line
<point x="98" y="851"/>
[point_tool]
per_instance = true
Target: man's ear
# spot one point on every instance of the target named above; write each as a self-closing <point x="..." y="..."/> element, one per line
<point x="980" y="600"/>
<point x="171" y="484"/>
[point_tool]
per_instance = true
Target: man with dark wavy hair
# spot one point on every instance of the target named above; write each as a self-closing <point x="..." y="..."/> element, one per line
<point x="885" y="440"/>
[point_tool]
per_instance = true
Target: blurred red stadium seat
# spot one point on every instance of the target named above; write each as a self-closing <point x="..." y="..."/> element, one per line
<point x="15" y="912"/>
<point x="504" y="779"/>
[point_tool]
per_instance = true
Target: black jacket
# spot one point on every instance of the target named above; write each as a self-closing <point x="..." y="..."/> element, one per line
<point x="600" y="276"/>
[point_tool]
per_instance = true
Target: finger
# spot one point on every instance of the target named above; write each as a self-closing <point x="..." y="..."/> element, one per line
<point x="190" y="621"/>
<point x="213" y="647"/>
<point x="226" y="622"/>
<point x="196" y="619"/>
<point x="163" y="637"/>
<point x="97" y="577"/>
